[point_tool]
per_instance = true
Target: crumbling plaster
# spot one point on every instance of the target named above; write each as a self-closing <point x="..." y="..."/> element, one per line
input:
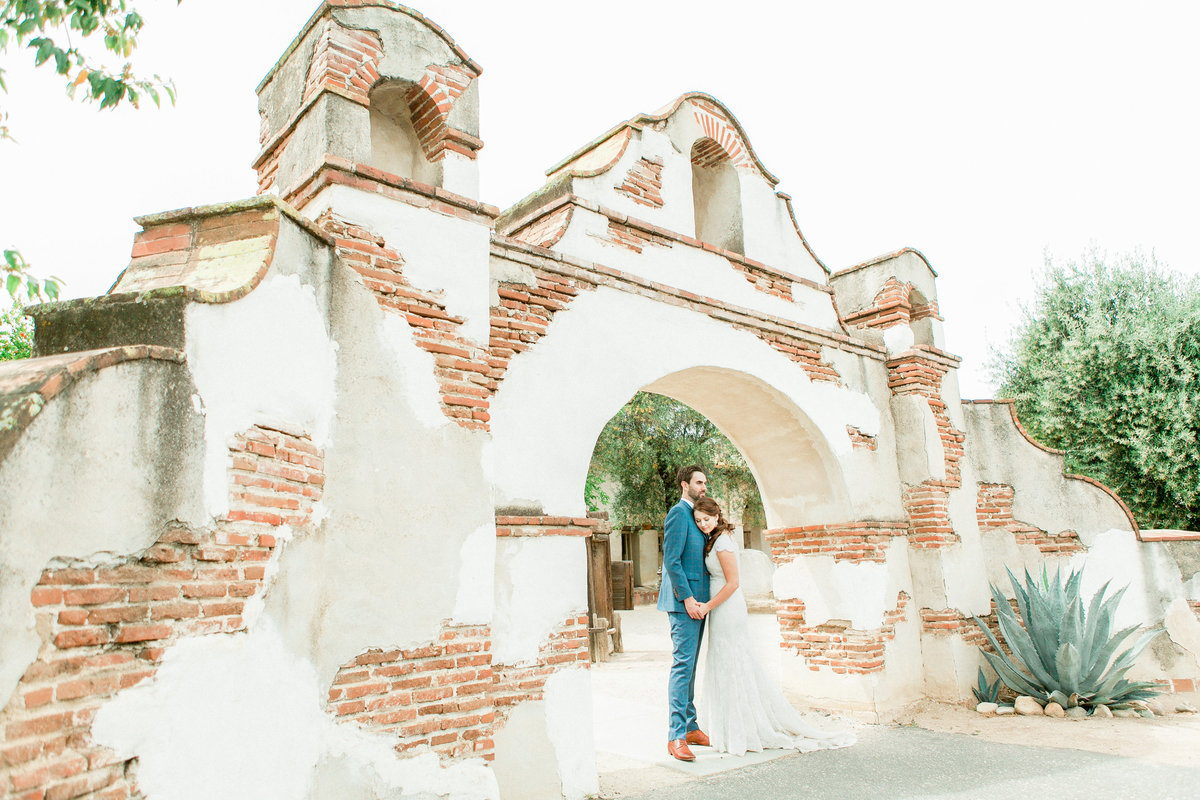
<point x="266" y="358"/>
<point x="428" y="242"/>
<point x="404" y="491"/>
<point x="336" y="125"/>
<point x="249" y="704"/>
<point x="1044" y="496"/>
<point x="133" y="440"/>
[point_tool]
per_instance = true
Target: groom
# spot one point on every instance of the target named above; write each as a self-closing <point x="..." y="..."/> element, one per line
<point x="684" y="587"/>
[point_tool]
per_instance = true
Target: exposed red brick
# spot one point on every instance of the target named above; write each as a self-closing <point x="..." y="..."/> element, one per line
<point x="994" y="511"/>
<point x="927" y="504"/>
<point x="893" y="305"/>
<point x="430" y="697"/>
<point x="850" y="541"/>
<point x="643" y="182"/>
<point x="106" y="629"/>
<point x="834" y="645"/>
<point x="861" y="440"/>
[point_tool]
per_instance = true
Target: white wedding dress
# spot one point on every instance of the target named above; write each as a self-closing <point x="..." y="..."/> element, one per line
<point x="743" y="708"/>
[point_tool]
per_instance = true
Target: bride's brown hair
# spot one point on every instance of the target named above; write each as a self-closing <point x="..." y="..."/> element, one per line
<point x="706" y="505"/>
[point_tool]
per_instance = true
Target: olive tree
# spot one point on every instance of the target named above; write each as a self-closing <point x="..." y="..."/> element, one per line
<point x="1105" y="365"/>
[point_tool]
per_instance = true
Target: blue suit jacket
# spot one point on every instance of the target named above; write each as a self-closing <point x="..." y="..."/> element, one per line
<point x="683" y="573"/>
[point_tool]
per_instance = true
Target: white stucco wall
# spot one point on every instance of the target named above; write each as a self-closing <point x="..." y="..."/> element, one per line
<point x="442" y="254"/>
<point x="699" y="271"/>
<point x="239" y="716"/>
<point x="408" y="539"/>
<point x="92" y="480"/>
<point x="611" y="344"/>
<point x="540" y="581"/>
<point x="266" y="358"/>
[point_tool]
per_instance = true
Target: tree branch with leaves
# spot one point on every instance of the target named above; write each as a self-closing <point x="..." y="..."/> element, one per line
<point x="1106" y="366"/>
<point x="56" y="32"/>
<point x="646" y="442"/>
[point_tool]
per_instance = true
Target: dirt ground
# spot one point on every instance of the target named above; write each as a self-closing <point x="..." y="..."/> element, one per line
<point x="1173" y="739"/>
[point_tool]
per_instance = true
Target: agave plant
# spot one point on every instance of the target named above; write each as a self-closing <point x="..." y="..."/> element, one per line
<point x="1061" y="653"/>
<point x="987" y="692"/>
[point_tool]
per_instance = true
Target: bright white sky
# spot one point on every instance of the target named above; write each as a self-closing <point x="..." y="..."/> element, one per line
<point x="982" y="134"/>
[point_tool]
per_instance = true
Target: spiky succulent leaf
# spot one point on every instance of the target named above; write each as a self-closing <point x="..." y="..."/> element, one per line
<point x="1100" y="664"/>
<point x="1090" y="627"/>
<point x="1019" y="593"/>
<point x="1069" y="668"/>
<point x="1022" y="645"/>
<point x="1007" y="671"/>
<point x="1013" y="678"/>
<point x="1072" y="628"/>
<point x="1073" y="583"/>
<point x="1043" y="628"/>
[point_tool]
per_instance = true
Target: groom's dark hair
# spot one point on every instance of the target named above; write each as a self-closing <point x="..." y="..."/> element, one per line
<point x="684" y="475"/>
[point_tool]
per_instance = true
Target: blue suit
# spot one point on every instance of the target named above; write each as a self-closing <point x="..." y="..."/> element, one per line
<point x="683" y="576"/>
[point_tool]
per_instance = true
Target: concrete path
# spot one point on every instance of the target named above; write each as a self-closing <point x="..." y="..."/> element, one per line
<point x="889" y="762"/>
<point x="630" y="708"/>
<point x="896" y="763"/>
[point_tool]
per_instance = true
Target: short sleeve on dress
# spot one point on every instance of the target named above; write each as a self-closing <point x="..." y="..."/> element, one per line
<point x="724" y="544"/>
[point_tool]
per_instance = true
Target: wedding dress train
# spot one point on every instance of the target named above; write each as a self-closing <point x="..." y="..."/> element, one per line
<point x="743" y="707"/>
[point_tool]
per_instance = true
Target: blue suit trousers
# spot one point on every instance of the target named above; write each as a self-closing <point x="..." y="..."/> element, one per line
<point x="686" y="634"/>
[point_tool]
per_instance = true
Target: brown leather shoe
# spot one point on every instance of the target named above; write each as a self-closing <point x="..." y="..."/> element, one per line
<point x="679" y="749"/>
<point x="698" y="737"/>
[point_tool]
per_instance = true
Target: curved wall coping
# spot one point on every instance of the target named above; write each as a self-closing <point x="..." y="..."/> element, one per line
<point x="1165" y="535"/>
<point x="598" y="274"/>
<point x="329" y="5"/>
<point x="506" y="227"/>
<point x="28" y="384"/>
<point x="887" y="257"/>
<point x="232" y="207"/>
<point x="1012" y="411"/>
<point x="641" y="121"/>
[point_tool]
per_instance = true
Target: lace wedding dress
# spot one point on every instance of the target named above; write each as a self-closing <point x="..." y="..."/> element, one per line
<point x="744" y="708"/>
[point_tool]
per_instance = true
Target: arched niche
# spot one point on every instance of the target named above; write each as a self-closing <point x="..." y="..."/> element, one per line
<point x="716" y="196"/>
<point x="395" y="145"/>
<point x="922" y="314"/>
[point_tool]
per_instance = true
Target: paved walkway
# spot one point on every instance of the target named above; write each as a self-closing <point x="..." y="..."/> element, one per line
<point x="889" y="762"/>
<point x="896" y="763"/>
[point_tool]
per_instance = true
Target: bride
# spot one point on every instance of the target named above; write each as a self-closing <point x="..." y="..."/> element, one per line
<point x="744" y="709"/>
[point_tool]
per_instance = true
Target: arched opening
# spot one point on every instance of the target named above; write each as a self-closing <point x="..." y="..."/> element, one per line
<point x="546" y="419"/>
<point x="922" y="315"/>
<point x="716" y="196"/>
<point x="631" y="481"/>
<point x="396" y="146"/>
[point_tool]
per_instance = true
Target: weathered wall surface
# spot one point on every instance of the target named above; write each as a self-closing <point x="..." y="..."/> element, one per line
<point x="299" y="505"/>
<point x="1031" y="514"/>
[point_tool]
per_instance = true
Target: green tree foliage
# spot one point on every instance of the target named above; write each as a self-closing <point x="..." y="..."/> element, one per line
<point x="1106" y="366"/>
<point x="56" y="31"/>
<point x="16" y="334"/>
<point x="644" y="444"/>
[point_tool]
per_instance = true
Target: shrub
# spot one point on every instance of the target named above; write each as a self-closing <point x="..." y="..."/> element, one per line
<point x="16" y="334"/>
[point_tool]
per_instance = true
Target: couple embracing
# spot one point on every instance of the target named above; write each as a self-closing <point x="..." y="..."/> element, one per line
<point x="743" y="708"/>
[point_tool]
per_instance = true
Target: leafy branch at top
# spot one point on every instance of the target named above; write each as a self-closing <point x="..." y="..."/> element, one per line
<point x="45" y="26"/>
<point x="16" y="275"/>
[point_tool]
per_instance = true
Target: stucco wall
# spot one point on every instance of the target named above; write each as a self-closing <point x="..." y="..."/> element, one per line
<point x="95" y="477"/>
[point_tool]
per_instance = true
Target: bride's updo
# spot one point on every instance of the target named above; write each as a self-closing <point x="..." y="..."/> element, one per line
<point x="706" y="505"/>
